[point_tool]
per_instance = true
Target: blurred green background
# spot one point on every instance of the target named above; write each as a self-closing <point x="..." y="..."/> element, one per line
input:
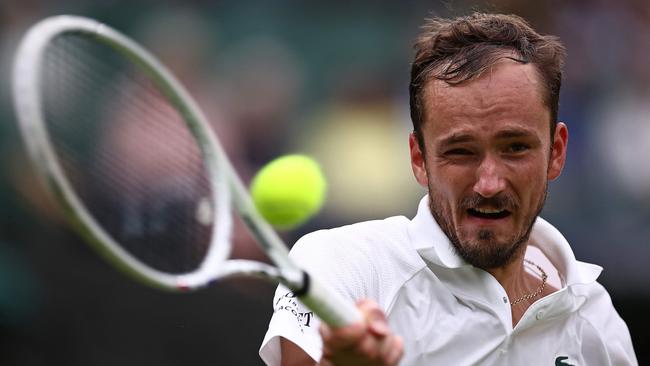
<point x="329" y="79"/>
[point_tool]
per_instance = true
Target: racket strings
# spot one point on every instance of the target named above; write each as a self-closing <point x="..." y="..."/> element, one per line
<point x="143" y="98"/>
<point x="127" y="152"/>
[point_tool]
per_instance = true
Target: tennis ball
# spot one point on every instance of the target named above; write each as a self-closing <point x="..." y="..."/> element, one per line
<point x="289" y="190"/>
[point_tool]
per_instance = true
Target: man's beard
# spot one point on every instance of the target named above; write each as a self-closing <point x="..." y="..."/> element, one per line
<point x="486" y="252"/>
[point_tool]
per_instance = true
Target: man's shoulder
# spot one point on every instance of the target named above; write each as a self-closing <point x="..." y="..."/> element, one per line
<point x="597" y="309"/>
<point x="367" y="239"/>
<point x="368" y="259"/>
<point x="595" y="299"/>
<point x="606" y="330"/>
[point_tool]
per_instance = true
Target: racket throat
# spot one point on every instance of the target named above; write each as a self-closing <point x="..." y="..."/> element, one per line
<point x="300" y="287"/>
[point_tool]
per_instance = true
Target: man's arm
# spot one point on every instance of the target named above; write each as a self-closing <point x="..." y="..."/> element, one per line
<point x="292" y="355"/>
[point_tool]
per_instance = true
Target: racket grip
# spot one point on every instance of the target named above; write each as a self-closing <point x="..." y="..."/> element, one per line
<point x="328" y="305"/>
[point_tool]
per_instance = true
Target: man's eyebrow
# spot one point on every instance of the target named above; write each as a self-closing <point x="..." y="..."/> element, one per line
<point x="515" y="133"/>
<point x="462" y="137"/>
<point x="456" y="138"/>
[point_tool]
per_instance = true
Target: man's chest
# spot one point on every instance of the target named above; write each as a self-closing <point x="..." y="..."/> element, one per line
<point x="440" y="328"/>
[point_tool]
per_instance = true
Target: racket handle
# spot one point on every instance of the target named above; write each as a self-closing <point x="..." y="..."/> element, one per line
<point x="328" y="305"/>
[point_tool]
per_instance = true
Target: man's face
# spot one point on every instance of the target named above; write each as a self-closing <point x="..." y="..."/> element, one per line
<point x="487" y="160"/>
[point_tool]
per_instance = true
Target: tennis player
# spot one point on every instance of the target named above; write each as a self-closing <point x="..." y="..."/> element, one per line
<point x="476" y="277"/>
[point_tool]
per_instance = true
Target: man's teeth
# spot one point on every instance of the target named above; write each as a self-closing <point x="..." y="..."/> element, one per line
<point x="488" y="210"/>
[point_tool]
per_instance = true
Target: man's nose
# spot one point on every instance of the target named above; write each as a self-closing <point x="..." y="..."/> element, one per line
<point x="489" y="178"/>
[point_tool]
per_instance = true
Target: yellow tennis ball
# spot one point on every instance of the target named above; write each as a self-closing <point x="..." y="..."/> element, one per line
<point x="289" y="190"/>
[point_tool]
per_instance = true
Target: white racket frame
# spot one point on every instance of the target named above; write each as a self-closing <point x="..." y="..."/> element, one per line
<point x="225" y="183"/>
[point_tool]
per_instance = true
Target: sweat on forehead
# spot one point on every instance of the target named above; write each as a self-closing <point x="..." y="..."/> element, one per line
<point x="506" y="84"/>
<point x="461" y="49"/>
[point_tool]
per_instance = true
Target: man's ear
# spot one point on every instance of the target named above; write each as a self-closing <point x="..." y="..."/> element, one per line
<point x="418" y="161"/>
<point x="558" y="151"/>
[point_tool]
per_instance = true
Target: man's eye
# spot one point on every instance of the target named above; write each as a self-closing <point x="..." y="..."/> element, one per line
<point x="517" y="148"/>
<point x="458" y="152"/>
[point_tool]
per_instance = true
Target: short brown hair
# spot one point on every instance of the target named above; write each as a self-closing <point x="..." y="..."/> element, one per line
<point x="457" y="50"/>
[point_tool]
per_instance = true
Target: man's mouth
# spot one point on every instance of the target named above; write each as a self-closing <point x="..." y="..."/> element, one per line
<point x="488" y="213"/>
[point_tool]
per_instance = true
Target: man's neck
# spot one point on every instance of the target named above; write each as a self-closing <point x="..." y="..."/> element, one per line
<point x="517" y="282"/>
<point x="511" y="276"/>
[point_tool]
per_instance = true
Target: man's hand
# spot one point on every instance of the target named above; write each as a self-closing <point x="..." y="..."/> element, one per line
<point x="369" y="343"/>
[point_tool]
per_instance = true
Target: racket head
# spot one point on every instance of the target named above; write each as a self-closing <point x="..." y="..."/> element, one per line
<point x="45" y="89"/>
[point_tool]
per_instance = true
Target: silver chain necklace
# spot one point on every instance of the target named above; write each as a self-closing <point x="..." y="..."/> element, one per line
<point x="539" y="290"/>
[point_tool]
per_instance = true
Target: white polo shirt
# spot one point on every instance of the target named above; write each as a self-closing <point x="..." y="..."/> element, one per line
<point x="447" y="311"/>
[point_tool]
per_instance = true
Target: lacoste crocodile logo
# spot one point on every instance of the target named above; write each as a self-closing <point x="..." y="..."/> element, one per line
<point x="561" y="361"/>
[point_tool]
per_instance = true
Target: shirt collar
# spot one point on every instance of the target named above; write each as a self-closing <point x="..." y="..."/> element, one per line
<point x="432" y="244"/>
<point x="430" y="241"/>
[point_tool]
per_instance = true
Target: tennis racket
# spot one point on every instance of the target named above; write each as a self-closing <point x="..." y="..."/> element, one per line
<point x="137" y="169"/>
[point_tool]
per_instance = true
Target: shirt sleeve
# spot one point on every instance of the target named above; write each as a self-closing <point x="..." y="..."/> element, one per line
<point x="341" y="267"/>
<point x="293" y="321"/>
